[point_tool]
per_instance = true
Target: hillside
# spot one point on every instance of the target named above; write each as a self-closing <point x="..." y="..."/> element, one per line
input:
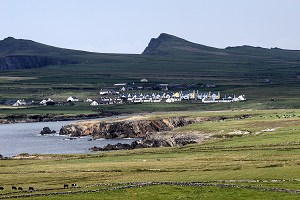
<point x="167" y="44"/>
<point x="259" y="73"/>
<point x="246" y="63"/>
<point x="25" y="54"/>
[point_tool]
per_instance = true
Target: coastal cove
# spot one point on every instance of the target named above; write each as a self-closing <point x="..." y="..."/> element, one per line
<point x="18" y="138"/>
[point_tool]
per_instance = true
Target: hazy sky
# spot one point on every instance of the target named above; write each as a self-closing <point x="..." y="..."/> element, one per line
<point x="126" y="26"/>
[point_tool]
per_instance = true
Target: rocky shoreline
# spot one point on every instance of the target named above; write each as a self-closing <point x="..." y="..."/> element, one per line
<point x="27" y="118"/>
<point x="157" y="140"/>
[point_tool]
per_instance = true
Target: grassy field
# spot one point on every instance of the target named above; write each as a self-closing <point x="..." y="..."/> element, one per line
<point x="261" y="163"/>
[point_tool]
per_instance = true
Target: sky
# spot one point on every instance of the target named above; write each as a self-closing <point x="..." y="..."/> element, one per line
<point x="126" y="26"/>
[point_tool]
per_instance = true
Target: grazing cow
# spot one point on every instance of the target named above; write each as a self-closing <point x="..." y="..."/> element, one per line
<point x="13" y="187"/>
<point x="66" y="185"/>
<point x="31" y="189"/>
<point x="1" y="188"/>
<point x="20" y="188"/>
<point x="74" y="185"/>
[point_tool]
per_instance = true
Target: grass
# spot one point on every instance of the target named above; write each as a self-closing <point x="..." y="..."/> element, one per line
<point x="260" y="157"/>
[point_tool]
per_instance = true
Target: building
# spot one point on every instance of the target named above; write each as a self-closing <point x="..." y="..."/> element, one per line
<point x="72" y="99"/>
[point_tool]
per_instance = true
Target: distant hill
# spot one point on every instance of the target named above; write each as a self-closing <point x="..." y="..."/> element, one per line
<point x="166" y="50"/>
<point x="167" y="44"/>
<point x="25" y="54"/>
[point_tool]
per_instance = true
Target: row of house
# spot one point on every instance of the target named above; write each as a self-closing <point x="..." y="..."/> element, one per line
<point x="169" y="97"/>
<point x="144" y="84"/>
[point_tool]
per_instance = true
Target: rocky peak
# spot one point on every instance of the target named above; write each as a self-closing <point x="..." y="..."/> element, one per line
<point x="9" y="38"/>
<point x="167" y="44"/>
<point x="166" y="37"/>
<point x="153" y="46"/>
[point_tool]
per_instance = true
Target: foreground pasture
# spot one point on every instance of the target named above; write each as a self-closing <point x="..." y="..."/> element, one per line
<point x="253" y="158"/>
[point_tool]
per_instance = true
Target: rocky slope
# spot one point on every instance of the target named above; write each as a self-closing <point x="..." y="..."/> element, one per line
<point x="26" y="54"/>
<point x="28" y="62"/>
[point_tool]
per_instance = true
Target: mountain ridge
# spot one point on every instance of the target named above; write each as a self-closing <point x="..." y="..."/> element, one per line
<point x="27" y="54"/>
<point x="164" y="42"/>
<point x="165" y="39"/>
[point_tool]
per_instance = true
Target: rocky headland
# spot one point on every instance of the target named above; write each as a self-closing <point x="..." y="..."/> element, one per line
<point x="155" y="132"/>
<point x="132" y="127"/>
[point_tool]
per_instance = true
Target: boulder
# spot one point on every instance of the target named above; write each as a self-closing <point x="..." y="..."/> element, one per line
<point x="47" y="130"/>
<point x="111" y="147"/>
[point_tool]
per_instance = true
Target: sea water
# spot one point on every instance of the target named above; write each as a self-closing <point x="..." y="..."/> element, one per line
<point x="25" y="138"/>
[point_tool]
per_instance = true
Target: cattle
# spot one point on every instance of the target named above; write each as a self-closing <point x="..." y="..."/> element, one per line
<point x="13" y="187"/>
<point x="74" y="185"/>
<point x="20" y="188"/>
<point x="66" y="185"/>
<point x="1" y="188"/>
<point x="30" y="188"/>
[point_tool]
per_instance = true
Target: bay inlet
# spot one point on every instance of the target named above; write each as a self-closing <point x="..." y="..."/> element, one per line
<point x="25" y="138"/>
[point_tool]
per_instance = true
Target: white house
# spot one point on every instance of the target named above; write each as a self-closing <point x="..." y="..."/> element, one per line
<point x="94" y="103"/>
<point x="107" y="92"/>
<point x="72" y="98"/>
<point x="170" y="100"/>
<point x="45" y="101"/>
<point x="20" y="103"/>
<point x="242" y="98"/>
<point x="88" y="100"/>
<point x="185" y="95"/>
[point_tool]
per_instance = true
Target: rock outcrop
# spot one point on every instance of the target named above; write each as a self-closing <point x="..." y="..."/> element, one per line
<point x="47" y="130"/>
<point x="157" y="140"/>
<point x="125" y="128"/>
<point x="154" y="132"/>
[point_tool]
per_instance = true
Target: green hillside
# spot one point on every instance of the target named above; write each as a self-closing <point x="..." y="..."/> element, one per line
<point x="259" y="73"/>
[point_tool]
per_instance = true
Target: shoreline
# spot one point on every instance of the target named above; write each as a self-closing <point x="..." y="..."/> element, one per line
<point x="29" y="118"/>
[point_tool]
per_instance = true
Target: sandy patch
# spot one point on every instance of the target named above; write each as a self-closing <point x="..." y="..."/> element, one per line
<point x="239" y="132"/>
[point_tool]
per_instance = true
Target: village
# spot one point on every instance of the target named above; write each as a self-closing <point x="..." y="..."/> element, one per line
<point x="143" y="92"/>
